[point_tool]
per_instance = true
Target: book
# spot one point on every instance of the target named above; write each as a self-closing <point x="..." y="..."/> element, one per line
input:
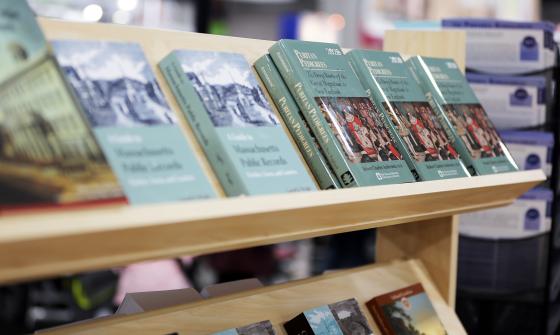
<point x="530" y="46"/>
<point x="340" y="318"/>
<point x="295" y="121"/>
<point x="511" y="102"/>
<point x="417" y="131"/>
<point x="473" y="133"/>
<point x="234" y="123"/>
<point x="137" y="130"/>
<point x="350" y="132"/>
<point x="527" y="217"/>
<point x="407" y="311"/>
<point x="530" y="149"/>
<point x="259" y="328"/>
<point x="48" y="154"/>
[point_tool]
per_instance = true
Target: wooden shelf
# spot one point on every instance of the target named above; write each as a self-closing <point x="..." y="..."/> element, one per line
<point x="278" y="303"/>
<point x="42" y="244"/>
<point x="46" y="244"/>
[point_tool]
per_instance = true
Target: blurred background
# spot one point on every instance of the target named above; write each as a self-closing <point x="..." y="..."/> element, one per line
<point x="351" y="23"/>
<point x="490" y="300"/>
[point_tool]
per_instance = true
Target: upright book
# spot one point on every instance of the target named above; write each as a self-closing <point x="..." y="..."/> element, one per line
<point x="414" y="125"/>
<point x="407" y="311"/>
<point x="468" y="125"/>
<point x="340" y="318"/>
<point x="47" y="152"/>
<point x="230" y="115"/>
<point x="132" y="121"/>
<point x="354" y="139"/>
<point x="295" y="121"/>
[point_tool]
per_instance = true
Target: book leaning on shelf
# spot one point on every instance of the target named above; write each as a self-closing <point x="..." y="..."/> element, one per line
<point x="406" y="311"/>
<point x="473" y="134"/>
<point x="350" y="132"/>
<point x="232" y="119"/>
<point x="419" y="134"/>
<point x="258" y="328"/>
<point x="47" y="152"/>
<point x="135" y="127"/>
<point x="295" y="121"/>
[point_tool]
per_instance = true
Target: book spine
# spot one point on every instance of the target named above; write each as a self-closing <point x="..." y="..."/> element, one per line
<point x="377" y="314"/>
<point x="436" y="101"/>
<point x="298" y="127"/>
<point x="362" y="73"/>
<point x="299" y="87"/>
<point x="186" y="97"/>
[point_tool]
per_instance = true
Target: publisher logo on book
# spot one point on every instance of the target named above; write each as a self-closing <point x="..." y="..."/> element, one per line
<point x="347" y="178"/>
<point x="386" y="175"/>
<point x="447" y="173"/>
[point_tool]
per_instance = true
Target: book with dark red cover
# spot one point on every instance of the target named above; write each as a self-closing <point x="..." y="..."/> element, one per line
<point x="407" y="311"/>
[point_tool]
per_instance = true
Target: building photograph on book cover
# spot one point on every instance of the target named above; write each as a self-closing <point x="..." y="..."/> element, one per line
<point x="421" y="131"/>
<point x="228" y="89"/>
<point x="358" y="128"/>
<point x="413" y="315"/>
<point x="476" y="131"/>
<point x="114" y="83"/>
<point x="350" y="318"/>
<point x="46" y="148"/>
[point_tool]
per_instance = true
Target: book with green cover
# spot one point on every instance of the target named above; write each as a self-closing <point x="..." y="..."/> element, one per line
<point x="137" y="130"/>
<point x="47" y="152"/>
<point x="354" y="139"/>
<point x="473" y="133"/>
<point x="418" y="132"/>
<point x="294" y="120"/>
<point x="232" y="119"/>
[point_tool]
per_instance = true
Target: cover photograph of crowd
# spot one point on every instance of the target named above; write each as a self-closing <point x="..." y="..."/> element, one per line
<point x="358" y="128"/>
<point x="421" y="131"/>
<point x="475" y="130"/>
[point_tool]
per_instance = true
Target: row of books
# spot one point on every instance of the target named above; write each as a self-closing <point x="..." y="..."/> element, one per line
<point x="402" y="312"/>
<point x="87" y="120"/>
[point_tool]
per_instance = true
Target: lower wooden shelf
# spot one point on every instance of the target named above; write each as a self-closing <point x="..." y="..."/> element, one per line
<point x="278" y="303"/>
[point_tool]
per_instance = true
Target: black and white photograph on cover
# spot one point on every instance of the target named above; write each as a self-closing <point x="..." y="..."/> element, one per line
<point x="475" y="130"/>
<point x="114" y="83"/>
<point x="259" y="328"/>
<point x="421" y="131"/>
<point x="359" y="129"/>
<point x="227" y="87"/>
<point x="350" y="318"/>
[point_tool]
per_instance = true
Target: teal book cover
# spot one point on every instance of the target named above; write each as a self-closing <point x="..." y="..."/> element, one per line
<point x="355" y="141"/>
<point x="418" y="132"/>
<point x="234" y="123"/>
<point x="134" y="125"/>
<point x="48" y="153"/>
<point x="295" y="121"/>
<point x="474" y="134"/>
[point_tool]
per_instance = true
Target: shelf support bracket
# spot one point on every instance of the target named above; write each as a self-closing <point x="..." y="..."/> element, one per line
<point x="434" y="242"/>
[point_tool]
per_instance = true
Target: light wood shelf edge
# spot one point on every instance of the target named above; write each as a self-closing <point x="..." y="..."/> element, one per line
<point x="278" y="303"/>
<point x="42" y="245"/>
<point x="42" y="224"/>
